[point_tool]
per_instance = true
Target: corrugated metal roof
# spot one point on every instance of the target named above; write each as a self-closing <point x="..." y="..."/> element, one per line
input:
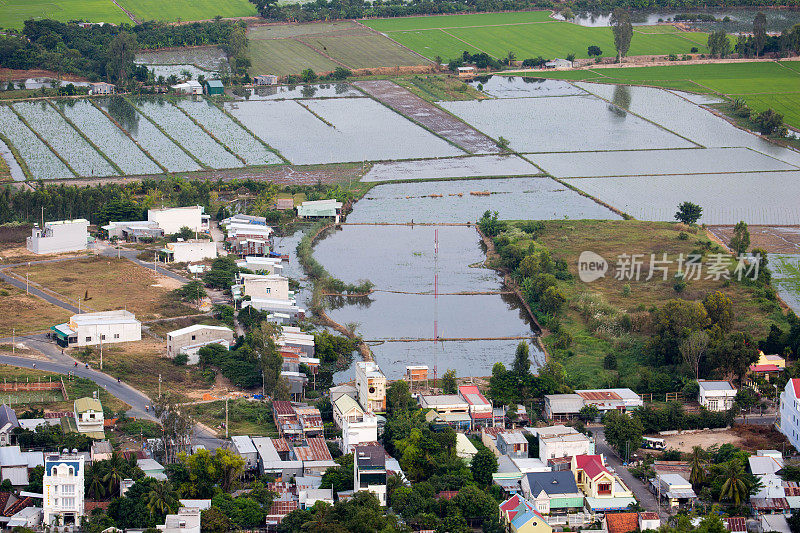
<point x="600" y="395"/>
<point x="283" y="408"/>
<point x="85" y="404"/>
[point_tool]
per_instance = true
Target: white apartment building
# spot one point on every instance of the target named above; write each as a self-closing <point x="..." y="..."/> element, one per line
<point x="59" y="236"/>
<point x="371" y="386"/>
<point x="190" y="339"/>
<point x="790" y="412"/>
<point x="104" y="327"/>
<point x="562" y="441"/>
<point x="189" y="251"/>
<point x="172" y="219"/>
<point x="63" y="489"/>
<point x="716" y="395"/>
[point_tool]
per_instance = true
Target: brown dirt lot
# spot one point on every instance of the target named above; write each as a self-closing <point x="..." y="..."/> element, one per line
<point x="109" y="283"/>
<point x="18" y="253"/>
<point x="774" y="239"/>
<point x="26" y="313"/>
<point x="685" y="442"/>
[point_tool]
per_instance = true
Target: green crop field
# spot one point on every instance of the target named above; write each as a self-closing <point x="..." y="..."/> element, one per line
<point x="14" y="12"/>
<point x="175" y="10"/>
<point x="527" y="34"/>
<point x="291" y="48"/>
<point x="762" y="85"/>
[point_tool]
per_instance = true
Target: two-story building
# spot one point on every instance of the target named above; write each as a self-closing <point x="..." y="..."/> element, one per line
<point x="62" y="485"/>
<point x="371" y="386"/>
<point x="89" y="418"/>
<point x="556" y="442"/>
<point x="358" y="427"/>
<point x="369" y="470"/>
<point x="59" y="236"/>
<point x="481" y="412"/>
<point x="604" y="491"/>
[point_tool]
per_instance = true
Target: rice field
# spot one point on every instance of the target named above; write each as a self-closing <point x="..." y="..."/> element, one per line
<point x="64" y="139"/>
<point x="106" y="136"/>
<point x="183" y="10"/>
<point x="13" y="13"/>
<point x="527" y="34"/>
<point x="40" y="160"/>
<point x="228" y="132"/>
<point x="188" y="134"/>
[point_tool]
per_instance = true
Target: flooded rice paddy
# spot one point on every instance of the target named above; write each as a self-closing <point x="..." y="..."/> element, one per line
<point x="294" y="92"/>
<point x="40" y="160"/>
<point x="454" y="167"/>
<point x="524" y="87"/>
<point x="563" y="124"/>
<point x="785" y="269"/>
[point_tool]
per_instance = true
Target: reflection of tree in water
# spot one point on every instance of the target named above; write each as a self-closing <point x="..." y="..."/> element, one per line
<point x="308" y="91"/>
<point x="124" y="113"/>
<point x="532" y="80"/>
<point x="337" y="302"/>
<point x="341" y="88"/>
<point x="621" y="101"/>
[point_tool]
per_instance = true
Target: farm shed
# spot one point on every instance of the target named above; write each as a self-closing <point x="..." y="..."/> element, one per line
<point x="214" y="87"/>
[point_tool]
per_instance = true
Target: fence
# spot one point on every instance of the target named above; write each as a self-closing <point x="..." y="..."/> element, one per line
<point x="34" y="386"/>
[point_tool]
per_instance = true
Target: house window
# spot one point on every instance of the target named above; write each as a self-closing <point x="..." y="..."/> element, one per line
<point x="712" y="405"/>
<point x="102" y="337"/>
<point x="68" y="490"/>
<point x="88" y="339"/>
<point x="604" y="488"/>
<point x="193" y="337"/>
<point x="116" y="335"/>
<point x="68" y="502"/>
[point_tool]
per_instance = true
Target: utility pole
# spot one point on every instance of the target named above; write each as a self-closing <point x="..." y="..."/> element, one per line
<point x="13" y="341"/>
<point x="159" y="385"/>
<point x="226" y="418"/>
<point x="79" y="305"/>
<point x="101" y="352"/>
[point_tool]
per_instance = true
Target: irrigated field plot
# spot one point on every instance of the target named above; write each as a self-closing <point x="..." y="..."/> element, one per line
<point x="13" y="13"/>
<point x="528" y="34"/>
<point x="289" y="49"/>
<point x="183" y="10"/>
<point x="761" y="85"/>
<point x="107" y="283"/>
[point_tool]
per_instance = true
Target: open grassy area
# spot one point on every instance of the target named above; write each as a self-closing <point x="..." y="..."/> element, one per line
<point x="761" y="84"/>
<point x="244" y="417"/>
<point x="527" y="34"/>
<point x="104" y="283"/>
<point x="76" y="388"/>
<point x="26" y="313"/>
<point x="182" y="10"/>
<point x="438" y="88"/>
<point x="13" y="13"/>
<point x="594" y="337"/>
<point x="140" y="364"/>
<point x="290" y="49"/>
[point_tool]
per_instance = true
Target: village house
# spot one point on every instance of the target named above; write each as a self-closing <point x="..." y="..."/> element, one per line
<point x="8" y="423"/>
<point x="101" y="87"/>
<point x="371" y="386"/>
<point x="59" y="236"/>
<point x="481" y="412"/>
<point x="89" y="417"/>
<point x="620" y="522"/>
<point x="189" y="251"/>
<point x="15" y="465"/>
<point x="190" y="339"/>
<point x="716" y="395"/>
<point x="294" y="337"/>
<point x="369" y="470"/>
<point x="562" y="407"/>
<point x="104" y="327"/>
<point x="188" y="87"/>
<point x="561" y="441"/>
<point x="320" y="209"/>
<point x="358" y="426"/>
<point x="101" y="450"/>
<point x="63" y="502"/>
<point x="512" y="444"/>
<point x="521" y="516"/>
<point x="242" y="445"/>
<point x="133" y="231"/>
<point x="466" y="72"/>
<point x="265" y="79"/>
<point x="261" y="265"/>
<point x="604" y="491"/>
<point x="173" y="219"/>
<point x="674" y="490"/>
<point x="552" y="492"/>
<point x="622" y="400"/>
<point x="186" y="521"/>
<point x="448" y="409"/>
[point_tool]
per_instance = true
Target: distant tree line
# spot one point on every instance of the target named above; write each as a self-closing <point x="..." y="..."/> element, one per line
<point x="103" y="52"/>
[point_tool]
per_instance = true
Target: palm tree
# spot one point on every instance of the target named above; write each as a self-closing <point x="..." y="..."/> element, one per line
<point x="698" y="463"/>
<point x="96" y="487"/>
<point x="162" y="499"/>
<point x="116" y="471"/>
<point x="734" y="488"/>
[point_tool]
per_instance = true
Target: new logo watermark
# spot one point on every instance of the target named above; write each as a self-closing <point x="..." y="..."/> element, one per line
<point x="645" y="267"/>
<point x="591" y="266"/>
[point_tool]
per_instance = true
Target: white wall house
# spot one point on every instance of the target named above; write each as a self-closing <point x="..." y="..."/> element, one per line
<point x="89" y="329"/>
<point x="59" y="236"/>
<point x="186" y="521"/>
<point x="790" y="412"/>
<point x="63" y="488"/>
<point x="562" y="441"/>
<point x="172" y="219"/>
<point x="190" y="251"/>
<point x="89" y="417"/>
<point x="358" y="427"/>
<point x="371" y="386"/>
<point x="190" y="339"/>
<point x="716" y="395"/>
<point x="270" y="286"/>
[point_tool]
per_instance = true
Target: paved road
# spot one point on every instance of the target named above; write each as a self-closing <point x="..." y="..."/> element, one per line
<point x="38" y="293"/>
<point x="646" y="498"/>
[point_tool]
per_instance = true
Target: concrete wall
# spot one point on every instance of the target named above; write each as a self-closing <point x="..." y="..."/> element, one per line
<point x="59" y="237"/>
<point x="189" y="252"/>
<point x="171" y="220"/>
<point x="276" y="288"/>
<point x="177" y="344"/>
<point x="125" y="332"/>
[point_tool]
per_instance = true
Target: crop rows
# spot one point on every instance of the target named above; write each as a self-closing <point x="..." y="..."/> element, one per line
<point x="111" y="136"/>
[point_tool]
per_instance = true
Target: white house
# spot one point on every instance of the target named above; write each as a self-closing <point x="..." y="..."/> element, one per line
<point x="320" y="209"/>
<point x="59" y="236"/>
<point x="172" y="219"/>
<point x="257" y="286"/>
<point x="63" y="489"/>
<point x="358" y="427"/>
<point x="790" y="412"/>
<point x="562" y="441"/>
<point x="189" y="251"/>
<point x="102" y="87"/>
<point x="369" y="470"/>
<point x="133" y="230"/>
<point x="15" y="464"/>
<point x="186" y="521"/>
<point x="189" y="87"/>
<point x="265" y="79"/>
<point x="293" y="337"/>
<point x="89" y="417"/>
<point x="8" y="423"/>
<point x="190" y="339"/>
<point x="371" y="386"/>
<point x="716" y="395"/>
<point x="104" y="327"/>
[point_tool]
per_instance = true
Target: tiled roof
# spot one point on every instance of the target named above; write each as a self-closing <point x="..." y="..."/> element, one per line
<point x="736" y="524"/>
<point x="622" y="522"/>
<point x="18" y="505"/>
<point x="283" y="408"/>
<point x="281" y="445"/>
<point x="592" y="465"/>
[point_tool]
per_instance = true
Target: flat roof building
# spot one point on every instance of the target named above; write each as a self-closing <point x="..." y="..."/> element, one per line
<point x="59" y="236"/>
<point x="104" y="327"/>
<point x="190" y="339"/>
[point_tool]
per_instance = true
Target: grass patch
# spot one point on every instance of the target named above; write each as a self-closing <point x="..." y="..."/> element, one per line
<point x="761" y="85"/>
<point x="140" y="364"/>
<point x="435" y="88"/>
<point x="110" y="283"/>
<point x="183" y="10"/>
<point x="457" y="21"/>
<point x="285" y="56"/>
<point x="244" y="417"/>
<point x="25" y="313"/>
<point x="368" y="50"/>
<point x="13" y="13"/>
<point x="611" y="298"/>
